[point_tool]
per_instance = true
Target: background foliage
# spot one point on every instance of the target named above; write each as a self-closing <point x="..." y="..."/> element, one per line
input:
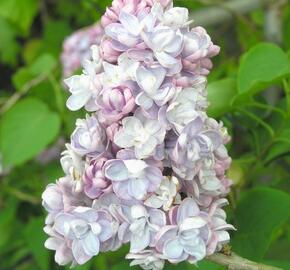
<point x="249" y="89"/>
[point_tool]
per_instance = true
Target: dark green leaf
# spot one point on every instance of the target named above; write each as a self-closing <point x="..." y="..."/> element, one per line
<point x="26" y="130"/>
<point x="35" y="238"/>
<point x="260" y="213"/>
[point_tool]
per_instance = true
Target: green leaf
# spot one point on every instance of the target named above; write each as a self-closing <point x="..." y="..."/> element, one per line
<point x="7" y="216"/>
<point x="35" y="238"/>
<point x="261" y="66"/>
<point x="9" y="47"/>
<point x="42" y="66"/>
<point x="21" y="13"/>
<point x="53" y="36"/>
<point x="281" y="145"/>
<point x="260" y="213"/>
<point x="26" y="129"/>
<point x="21" y="77"/>
<point x="220" y="94"/>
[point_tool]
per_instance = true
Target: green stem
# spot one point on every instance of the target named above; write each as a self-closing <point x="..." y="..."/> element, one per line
<point x="267" y="107"/>
<point x="258" y="120"/>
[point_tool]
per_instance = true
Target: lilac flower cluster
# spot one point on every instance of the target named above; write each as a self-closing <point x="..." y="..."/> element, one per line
<point x="147" y="165"/>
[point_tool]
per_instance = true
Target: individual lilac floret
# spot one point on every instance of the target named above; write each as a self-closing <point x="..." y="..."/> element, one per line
<point x="132" y="178"/>
<point x="148" y="259"/>
<point x="218" y="225"/>
<point x="76" y="47"/>
<point x="61" y="246"/>
<point x="188" y="104"/>
<point x="85" y="88"/>
<point x="198" y="48"/>
<point x="166" y="44"/>
<point x="195" y="144"/>
<point x="72" y="163"/>
<point x="95" y="182"/>
<point x="130" y="6"/>
<point x="165" y="195"/>
<point x="115" y="103"/>
<point x="144" y="225"/>
<point x="186" y="238"/>
<point x="153" y="93"/>
<point x="86" y="229"/>
<point x="89" y="137"/>
<point x="145" y="135"/>
<point x="62" y="196"/>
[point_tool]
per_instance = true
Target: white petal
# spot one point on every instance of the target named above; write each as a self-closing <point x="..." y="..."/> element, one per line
<point x="123" y="139"/>
<point x="130" y="23"/>
<point x="116" y="171"/>
<point x="79" y="254"/>
<point x="140" y="242"/>
<point x="192" y="223"/>
<point x="138" y="189"/>
<point x="144" y="101"/>
<point x="173" y="249"/>
<point x="166" y="60"/>
<point x="91" y="244"/>
<point x="197" y="251"/>
<point x="77" y="101"/>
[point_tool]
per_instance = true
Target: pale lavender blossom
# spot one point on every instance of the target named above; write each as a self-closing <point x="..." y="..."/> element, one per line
<point x="71" y="162"/>
<point x="148" y="259"/>
<point x="61" y="246"/>
<point x="186" y="237"/>
<point x="131" y="6"/>
<point x="194" y="144"/>
<point x="143" y="134"/>
<point x="115" y="103"/>
<point x="198" y="48"/>
<point x="188" y="104"/>
<point x="165" y="195"/>
<point x="166" y="44"/>
<point x="62" y="196"/>
<point x="89" y="137"/>
<point x="150" y="81"/>
<point x="132" y="179"/>
<point x="218" y="225"/>
<point x="109" y="51"/>
<point x="95" y="182"/>
<point x="76" y="47"/>
<point x="85" y="88"/>
<point x="86" y="229"/>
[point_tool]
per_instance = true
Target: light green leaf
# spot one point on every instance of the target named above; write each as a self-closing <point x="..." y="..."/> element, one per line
<point x="21" y="77"/>
<point x="220" y="94"/>
<point x="42" y="66"/>
<point x="261" y="66"/>
<point x="35" y="238"/>
<point x="26" y="129"/>
<point x="260" y="213"/>
<point x="21" y="13"/>
<point x="9" y="47"/>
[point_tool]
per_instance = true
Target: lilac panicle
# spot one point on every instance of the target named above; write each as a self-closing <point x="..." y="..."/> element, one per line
<point x="147" y="166"/>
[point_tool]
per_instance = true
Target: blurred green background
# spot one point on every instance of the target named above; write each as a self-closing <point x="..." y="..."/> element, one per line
<point x="249" y="89"/>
